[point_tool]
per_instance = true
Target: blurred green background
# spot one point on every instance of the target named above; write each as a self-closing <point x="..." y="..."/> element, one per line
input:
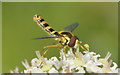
<point x="98" y="27"/>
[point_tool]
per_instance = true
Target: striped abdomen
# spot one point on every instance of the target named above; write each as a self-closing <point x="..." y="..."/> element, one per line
<point x="43" y="24"/>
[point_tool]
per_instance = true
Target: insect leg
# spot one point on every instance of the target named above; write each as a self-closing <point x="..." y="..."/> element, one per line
<point x="82" y="46"/>
<point x="44" y="53"/>
<point x="65" y="49"/>
<point x="57" y="45"/>
<point x="73" y="50"/>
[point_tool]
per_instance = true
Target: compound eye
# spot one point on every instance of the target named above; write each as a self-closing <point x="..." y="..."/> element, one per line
<point x="38" y="16"/>
<point x="35" y="18"/>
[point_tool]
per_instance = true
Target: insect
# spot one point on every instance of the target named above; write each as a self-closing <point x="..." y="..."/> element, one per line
<point x="65" y="38"/>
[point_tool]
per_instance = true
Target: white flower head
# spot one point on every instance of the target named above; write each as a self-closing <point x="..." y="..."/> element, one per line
<point x="70" y="62"/>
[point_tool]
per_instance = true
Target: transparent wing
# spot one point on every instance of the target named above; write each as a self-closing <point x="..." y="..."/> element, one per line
<point x="46" y="37"/>
<point x="71" y="27"/>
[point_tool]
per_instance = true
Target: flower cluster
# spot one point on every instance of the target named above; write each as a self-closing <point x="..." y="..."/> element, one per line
<point x="78" y="62"/>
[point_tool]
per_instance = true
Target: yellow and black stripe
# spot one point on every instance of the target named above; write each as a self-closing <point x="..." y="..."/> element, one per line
<point x="45" y="26"/>
<point x="66" y="38"/>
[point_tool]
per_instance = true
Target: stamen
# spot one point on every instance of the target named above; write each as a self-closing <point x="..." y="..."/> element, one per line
<point x="38" y="54"/>
<point x="25" y="64"/>
<point x="108" y="55"/>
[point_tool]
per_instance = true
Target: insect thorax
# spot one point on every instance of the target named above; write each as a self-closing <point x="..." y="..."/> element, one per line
<point x="67" y="39"/>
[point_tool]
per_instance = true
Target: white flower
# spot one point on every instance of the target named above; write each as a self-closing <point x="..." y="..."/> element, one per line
<point x="55" y="62"/>
<point x="33" y="70"/>
<point x="105" y="60"/>
<point x="53" y="70"/>
<point x="25" y="64"/>
<point x="114" y="68"/>
<point x="46" y="66"/>
<point x="16" y="70"/>
<point x="80" y="70"/>
<point x="77" y="62"/>
<point x="91" y="56"/>
<point x="35" y="62"/>
<point x="91" y="67"/>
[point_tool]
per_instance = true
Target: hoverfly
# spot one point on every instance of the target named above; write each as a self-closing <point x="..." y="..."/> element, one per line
<point x="65" y="38"/>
